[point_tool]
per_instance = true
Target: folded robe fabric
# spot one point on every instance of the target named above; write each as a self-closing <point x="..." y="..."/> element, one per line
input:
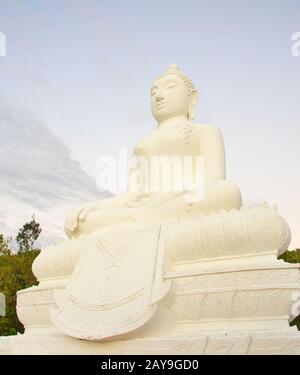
<point x="116" y="285"/>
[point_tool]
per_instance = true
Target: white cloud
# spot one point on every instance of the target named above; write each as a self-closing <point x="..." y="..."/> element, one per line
<point x="37" y="176"/>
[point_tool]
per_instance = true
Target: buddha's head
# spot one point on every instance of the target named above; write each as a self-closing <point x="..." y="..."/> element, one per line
<point x="172" y="95"/>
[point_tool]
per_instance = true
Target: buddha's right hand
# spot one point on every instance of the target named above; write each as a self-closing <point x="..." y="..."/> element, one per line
<point x="77" y="215"/>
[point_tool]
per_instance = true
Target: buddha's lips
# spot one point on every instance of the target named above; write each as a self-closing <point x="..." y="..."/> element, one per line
<point x="160" y="104"/>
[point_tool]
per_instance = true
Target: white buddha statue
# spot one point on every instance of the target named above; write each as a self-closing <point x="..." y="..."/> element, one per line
<point x="173" y="102"/>
<point x="156" y="270"/>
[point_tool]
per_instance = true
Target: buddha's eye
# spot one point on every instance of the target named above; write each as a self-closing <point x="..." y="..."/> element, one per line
<point x="171" y="86"/>
<point x="153" y="92"/>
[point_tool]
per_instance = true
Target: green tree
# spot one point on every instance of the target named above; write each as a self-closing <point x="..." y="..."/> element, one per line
<point x="5" y="245"/>
<point x="291" y="256"/>
<point x="28" y="234"/>
<point x="15" y="274"/>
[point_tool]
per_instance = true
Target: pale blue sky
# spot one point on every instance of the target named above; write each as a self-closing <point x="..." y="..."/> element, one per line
<point x="85" y="67"/>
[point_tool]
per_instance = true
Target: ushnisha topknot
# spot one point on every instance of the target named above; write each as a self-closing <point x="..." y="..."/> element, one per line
<point x="174" y="69"/>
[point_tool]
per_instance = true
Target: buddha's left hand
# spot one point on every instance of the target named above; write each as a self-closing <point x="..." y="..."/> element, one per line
<point x="87" y="209"/>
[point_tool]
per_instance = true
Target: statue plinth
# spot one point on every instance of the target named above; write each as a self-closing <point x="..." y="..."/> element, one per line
<point x="229" y="292"/>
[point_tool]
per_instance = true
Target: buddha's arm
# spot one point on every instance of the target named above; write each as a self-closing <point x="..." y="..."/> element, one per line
<point x="138" y="174"/>
<point x="134" y="188"/>
<point x="218" y="192"/>
<point x="123" y="198"/>
<point x="80" y="213"/>
<point x="115" y="201"/>
<point x="211" y="147"/>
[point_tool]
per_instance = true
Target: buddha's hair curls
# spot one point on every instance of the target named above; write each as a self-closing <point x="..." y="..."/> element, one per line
<point x="174" y="69"/>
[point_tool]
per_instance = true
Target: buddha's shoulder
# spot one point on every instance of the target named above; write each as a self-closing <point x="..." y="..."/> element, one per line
<point x="205" y="130"/>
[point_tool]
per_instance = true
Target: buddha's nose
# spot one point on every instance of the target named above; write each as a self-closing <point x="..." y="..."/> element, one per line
<point x="159" y="95"/>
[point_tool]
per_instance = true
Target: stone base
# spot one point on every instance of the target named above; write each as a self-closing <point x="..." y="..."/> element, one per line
<point x="229" y="293"/>
<point x="244" y="294"/>
<point x="280" y="342"/>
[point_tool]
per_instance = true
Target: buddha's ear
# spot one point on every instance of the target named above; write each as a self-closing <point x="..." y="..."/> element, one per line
<point x="192" y="105"/>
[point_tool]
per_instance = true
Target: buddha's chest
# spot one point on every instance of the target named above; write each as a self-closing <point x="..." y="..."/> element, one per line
<point x="180" y="142"/>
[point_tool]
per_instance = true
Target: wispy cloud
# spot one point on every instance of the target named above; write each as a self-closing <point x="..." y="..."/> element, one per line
<point x="37" y="174"/>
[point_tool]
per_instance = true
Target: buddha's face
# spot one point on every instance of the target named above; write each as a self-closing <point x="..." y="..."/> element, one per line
<point x="169" y="98"/>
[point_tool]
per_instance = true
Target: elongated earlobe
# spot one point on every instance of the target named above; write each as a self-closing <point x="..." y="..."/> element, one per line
<point x="191" y="114"/>
<point x="192" y="106"/>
